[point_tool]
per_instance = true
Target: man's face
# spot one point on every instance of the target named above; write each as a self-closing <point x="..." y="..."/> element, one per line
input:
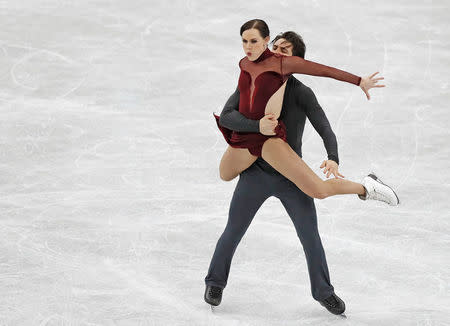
<point x="282" y="46"/>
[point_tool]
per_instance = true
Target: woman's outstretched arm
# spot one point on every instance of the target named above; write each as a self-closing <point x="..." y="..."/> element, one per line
<point x="294" y="64"/>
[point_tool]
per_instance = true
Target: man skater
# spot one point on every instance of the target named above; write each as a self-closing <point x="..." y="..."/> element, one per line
<point x="260" y="181"/>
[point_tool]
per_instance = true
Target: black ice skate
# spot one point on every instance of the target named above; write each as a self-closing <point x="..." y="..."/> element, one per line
<point x="213" y="295"/>
<point x="377" y="190"/>
<point x="334" y="304"/>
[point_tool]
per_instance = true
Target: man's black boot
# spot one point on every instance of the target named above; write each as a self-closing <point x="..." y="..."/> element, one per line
<point x="213" y="295"/>
<point x="334" y="304"/>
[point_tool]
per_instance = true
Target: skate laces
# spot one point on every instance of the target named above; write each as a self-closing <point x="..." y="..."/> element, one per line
<point x="214" y="291"/>
<point x="332" y="301"/>
<point x="377" y="195"/>
<point x="380" y="196"/>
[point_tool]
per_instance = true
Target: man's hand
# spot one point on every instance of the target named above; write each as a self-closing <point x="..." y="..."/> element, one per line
<point x="331" y="167"/>
<point x="370" y="82"/>
<point x="267" y="124"/>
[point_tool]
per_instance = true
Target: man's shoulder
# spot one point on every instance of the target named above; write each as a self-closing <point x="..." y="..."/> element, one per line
<point x="294" y="81"/>
<point x="298" y="86"/>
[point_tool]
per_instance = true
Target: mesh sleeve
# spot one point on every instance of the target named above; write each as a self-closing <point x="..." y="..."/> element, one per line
<point x="293" y="64"/>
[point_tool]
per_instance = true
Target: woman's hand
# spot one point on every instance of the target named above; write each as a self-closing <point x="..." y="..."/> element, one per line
<point x="331" y="167"/>
<point x="267" y="124"/>
<point x="370" y="82"/>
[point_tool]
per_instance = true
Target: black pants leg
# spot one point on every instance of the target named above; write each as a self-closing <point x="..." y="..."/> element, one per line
<point x="248" y="197"/>
<point x="253" y="188"/>
<point x="302" y="211"/>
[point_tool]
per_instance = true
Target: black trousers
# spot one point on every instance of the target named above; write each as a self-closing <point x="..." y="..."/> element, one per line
<point x="253" y="188"/>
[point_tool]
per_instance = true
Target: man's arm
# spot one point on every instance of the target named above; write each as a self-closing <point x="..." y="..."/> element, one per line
<point x="232" y="119"/>
<point x="320" y="122"/>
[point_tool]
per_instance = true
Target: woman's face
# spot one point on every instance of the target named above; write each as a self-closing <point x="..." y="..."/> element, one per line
<point x="253" y="44"/>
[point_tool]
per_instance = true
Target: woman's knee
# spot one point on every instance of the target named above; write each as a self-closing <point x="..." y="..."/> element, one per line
<point x="321" y="191"/>
<point x="320" y="195"/>
<point x="225" y="177"/>
<point x="226" y="174"/>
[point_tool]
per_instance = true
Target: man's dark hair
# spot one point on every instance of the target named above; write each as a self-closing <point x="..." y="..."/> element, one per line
<point x="259" y="24"/>
<point x="298" y="46"/>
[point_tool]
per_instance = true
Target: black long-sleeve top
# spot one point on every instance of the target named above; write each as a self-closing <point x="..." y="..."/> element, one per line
<point x="299" y="102"/>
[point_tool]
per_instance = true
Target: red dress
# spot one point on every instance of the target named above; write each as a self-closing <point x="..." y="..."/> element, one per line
<point x="268" y="74"/>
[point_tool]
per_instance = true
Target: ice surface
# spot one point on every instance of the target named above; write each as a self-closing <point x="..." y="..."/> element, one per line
<point x="111" y="201"/>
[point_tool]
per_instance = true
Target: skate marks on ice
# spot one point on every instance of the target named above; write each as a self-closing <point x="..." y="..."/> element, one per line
<point x="151" y="288"/>
<point x="43" y="72"/>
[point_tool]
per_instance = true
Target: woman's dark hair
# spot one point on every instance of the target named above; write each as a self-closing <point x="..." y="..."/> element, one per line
<point x="258" y="24"/>
<point x="298" y="46"/>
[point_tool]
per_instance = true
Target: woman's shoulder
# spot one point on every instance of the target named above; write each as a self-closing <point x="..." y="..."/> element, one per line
<point x="242" y="61"/>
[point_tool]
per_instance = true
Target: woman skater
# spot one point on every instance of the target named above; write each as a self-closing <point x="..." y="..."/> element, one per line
<point x="262" y="82"/>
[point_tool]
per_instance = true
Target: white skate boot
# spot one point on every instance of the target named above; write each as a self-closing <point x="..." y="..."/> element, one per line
<point x="377" y="190"/>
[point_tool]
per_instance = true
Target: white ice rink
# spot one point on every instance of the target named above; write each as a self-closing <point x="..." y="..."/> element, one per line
<point x="110" y="198"/>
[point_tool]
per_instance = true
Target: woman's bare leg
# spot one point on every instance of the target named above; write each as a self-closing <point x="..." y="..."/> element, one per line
<point x="282" y="158"/>
<point x="234" y="161"/>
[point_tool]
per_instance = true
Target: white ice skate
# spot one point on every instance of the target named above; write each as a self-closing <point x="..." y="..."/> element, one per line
<point x="377" y="190"/>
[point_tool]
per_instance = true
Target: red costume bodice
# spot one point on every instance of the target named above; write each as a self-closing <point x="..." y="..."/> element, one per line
<point x="259" y="80"/>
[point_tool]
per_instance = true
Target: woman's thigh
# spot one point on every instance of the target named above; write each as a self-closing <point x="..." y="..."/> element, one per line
<point x="285" y="160"/>
<point x="234" y="161"/>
